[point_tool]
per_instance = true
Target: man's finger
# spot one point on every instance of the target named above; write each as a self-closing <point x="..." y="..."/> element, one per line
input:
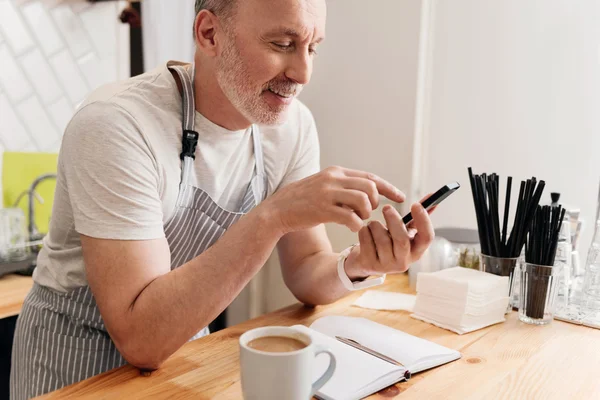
<point x="425" y="232"/>
<point x="429" y="211"/>
<point x="367" y="244"/>
<point x="426" y="197"/>
<point x="383" y="242"/>
<point x="355" y="200"/>
<point x="432" y="209"/>
<point x="411" y="233"/>
<point x="344" y="216"/>
<point x="364" y="185"/>
<point x="383" y="187"/>
<point x="400" y="237"/>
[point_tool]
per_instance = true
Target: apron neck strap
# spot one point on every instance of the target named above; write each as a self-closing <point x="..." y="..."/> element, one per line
<point x="189" y="106"/>
<point x="258" y="153"/>
<point x="190" y="136"/>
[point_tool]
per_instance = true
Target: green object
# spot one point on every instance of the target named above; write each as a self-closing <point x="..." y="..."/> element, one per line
<point x="19" y="170"/>
<point x="468" y="258"/>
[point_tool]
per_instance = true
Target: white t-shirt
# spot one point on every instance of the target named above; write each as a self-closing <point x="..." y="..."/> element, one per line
<point x="119" y="168"/>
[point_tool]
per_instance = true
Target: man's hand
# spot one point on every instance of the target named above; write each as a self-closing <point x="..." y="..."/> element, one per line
<point x="336" y="194"/>
<point x="391" y="250"/>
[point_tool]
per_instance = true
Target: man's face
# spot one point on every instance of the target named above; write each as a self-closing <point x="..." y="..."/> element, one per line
<point x="268" y="55"/>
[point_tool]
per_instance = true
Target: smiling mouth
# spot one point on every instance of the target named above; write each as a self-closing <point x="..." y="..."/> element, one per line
<point x="281" y="94"/>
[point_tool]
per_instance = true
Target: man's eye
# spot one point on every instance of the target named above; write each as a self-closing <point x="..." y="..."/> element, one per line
<point x="284" y="46"/>
<point x="312" y="50"/>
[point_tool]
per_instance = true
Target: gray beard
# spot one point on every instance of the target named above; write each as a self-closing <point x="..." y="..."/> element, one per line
<point x="233" y="77"/>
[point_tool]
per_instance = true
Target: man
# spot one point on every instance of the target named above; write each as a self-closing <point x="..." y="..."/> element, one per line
<point x="175" y="186"/>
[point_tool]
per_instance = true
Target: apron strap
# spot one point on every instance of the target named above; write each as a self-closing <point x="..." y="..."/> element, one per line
<point x="258" y="152"/>
<point x="187" y="96"/>
<point x="259" y="181"/>
<point x="190" y="136"/>
<point x="189" y="139"/>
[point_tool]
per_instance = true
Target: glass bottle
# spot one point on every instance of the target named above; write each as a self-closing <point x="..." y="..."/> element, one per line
<point x="591" y="283"/>
<point x="563" y="261"/>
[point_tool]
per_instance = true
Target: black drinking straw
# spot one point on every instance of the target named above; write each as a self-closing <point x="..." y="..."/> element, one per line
<point x="495" y="219"/>
<point x="495" y="239"/>
<point x="484" y="212"/>
<point x="518" y="219"/>
<point x="491" y="227"/>
<point x="496" y="215"/>
<point x="506" y="210"/>
<point x="541" y="250"/>
<point x="476" y="205"/>
<point x="534" y="202"/>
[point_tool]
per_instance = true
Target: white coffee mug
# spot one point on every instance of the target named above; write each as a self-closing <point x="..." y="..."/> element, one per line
<point x="271" y="375"/>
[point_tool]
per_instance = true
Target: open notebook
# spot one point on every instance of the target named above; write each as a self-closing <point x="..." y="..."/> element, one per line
<point x="359" y="374"/>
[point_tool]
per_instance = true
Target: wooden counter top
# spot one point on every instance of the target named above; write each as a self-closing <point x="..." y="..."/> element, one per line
<point x="505" y="361"/>
<point x="13" y="289"/>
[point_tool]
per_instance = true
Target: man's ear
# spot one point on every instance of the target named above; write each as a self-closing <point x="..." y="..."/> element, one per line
<point x="206" y="27"/>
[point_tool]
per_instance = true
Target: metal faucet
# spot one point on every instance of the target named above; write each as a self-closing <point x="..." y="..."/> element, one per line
<point x="32" y="228"/>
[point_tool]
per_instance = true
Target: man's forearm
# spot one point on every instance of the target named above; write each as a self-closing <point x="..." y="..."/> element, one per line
<point x="175" y="306"/>
<point x="315" y="281"/>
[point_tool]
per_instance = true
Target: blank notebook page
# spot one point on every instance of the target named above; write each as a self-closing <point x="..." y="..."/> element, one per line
<point x="355" y="370"/>
<point x="414" y="353"/>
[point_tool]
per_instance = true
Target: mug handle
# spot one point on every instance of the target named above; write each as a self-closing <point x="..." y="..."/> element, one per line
<point x="330" y="370"/>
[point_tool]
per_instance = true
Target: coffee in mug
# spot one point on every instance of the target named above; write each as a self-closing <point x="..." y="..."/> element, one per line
<point x="277" y="344"/>
<point x="277" y="362"/>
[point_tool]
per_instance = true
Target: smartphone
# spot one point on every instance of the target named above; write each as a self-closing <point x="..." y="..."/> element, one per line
<point x="435" y="199"/>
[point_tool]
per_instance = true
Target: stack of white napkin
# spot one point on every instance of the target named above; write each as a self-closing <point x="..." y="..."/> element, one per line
<point x="460" y="299"/>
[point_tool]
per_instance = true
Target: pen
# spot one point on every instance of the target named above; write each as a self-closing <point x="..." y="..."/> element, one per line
<point x="355" y="344"/>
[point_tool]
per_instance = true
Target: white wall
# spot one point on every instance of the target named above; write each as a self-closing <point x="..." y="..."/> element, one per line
<point x="363" y="91"/>
<point x="515" y="90"/>
<point x="362" y="95"/>
<point x="168" y="28"/>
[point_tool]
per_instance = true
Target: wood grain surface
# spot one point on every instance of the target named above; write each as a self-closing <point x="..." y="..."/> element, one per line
<point x="13" y="289"/>
<point x="511" y="360"/>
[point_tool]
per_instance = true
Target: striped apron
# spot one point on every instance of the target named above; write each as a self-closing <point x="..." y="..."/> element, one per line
<point x="61" y="339"/>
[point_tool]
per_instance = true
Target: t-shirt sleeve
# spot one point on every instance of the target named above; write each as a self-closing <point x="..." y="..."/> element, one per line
<point x="306" y="157"/>
<point x="111" y="175"/>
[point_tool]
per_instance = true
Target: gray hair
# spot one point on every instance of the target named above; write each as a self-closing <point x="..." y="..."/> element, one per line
<point x="221" y="8"/>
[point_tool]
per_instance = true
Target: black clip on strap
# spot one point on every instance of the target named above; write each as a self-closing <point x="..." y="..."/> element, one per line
<point x="190" y="140"/>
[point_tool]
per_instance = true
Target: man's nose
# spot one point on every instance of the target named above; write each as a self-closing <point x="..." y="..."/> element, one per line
<point x="300" y="68"/>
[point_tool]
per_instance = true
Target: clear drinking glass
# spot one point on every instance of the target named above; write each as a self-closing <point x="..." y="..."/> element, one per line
<point x="502" y="267"/>
<point x="516" y="282"/>
<point x="498" y="265"/>
<point x="13" y="235"/>
<point x="538" y="293"/>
